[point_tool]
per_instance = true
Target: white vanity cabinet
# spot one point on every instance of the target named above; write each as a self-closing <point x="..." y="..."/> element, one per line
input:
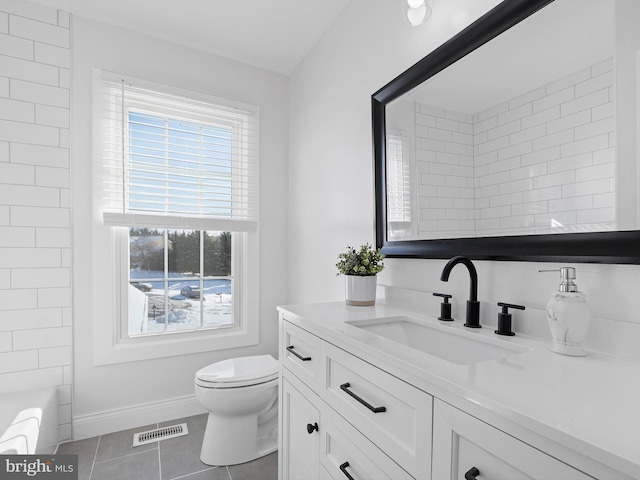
<point x="467" y="448"/>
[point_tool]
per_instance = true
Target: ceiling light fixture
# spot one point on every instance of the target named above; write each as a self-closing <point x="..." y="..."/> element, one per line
<point x="416" y="12"/>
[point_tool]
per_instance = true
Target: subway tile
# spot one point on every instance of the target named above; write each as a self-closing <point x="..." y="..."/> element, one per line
<point x="4" y="22"/>
<point x="487" y="191"/>
<point x="18" y="69"/>
<point x="439" y="134"/>
<point x="453" y="192"/>
<point x="427" y="190"/>
<point x="448" y="225"/>
<point x="527" y="134"/>
<point x="26" y="257"/>
<point x="30" y="10"/>
<point x="64" y="394"/>
<point x="4" y="152"/>
<point x="39" y="93"/>
<point x="18" y="361"/>
<point x="27" y="319"/>
<point x="42" y="377"/>
<point x="515" y="150"/>
<point x="605" y="170"/>
<point x="527" y="98"/>
<point x="52" y="237"/>
<point x="40" y="155"/>
<point x="18" y="299"/>
<point x="457" y="116"/>
<point x="433" y="179"/>
<point x="442" y="203"/>
<point x="516" y="186"/>
<point x="503" y="130"/>
<point x="54" y="297"/>
<point x="67" y="316"/>
<point x="517" y="221"/>
<point x="556" y="219"/>
<point x="466" y="128"/>
<point x="493" y="112"/>
<point x="64" y="414"/>
<point x="432" y="213"/>
<point x="603" y="200"/>
<point x="39" y="217"/>
<point x="448" y="158"/>
<point x="486" y="158"/>
<point x="585" y="102"/>
<point x="4" y="87"/>
<point x="55" y="356"/>
<point x="572" y="203"/>
<point x="41" y="338"/>
<point x="595" y="128"/>
<point x="53" y="116"/>
<point x="541" y="117"/>
<point x="529" y="171"/>
<point x="28" y="133"/>
<point x="505" y="199"/>
<point x="427" y="227"/>
<point x="605" y="110"/>
<point x="480" y="137"/>
<point x="571" y="163"/>
<point x="6" y="344"/>
<point x="592" y="187"/>
<point x="64" y="78"/>
<point x="52" y="177"/>
<point x="17" y="237"/>
<point x="463" y="138"/>
<point x="556" y="98"/>
<point x="538" y="194"/>
<point x="16" y="174"/>
<point x="487" y="223"/>
<point x="468" y="203"/>
<point x="569" y="81"/>
<point x="440" y="169"/>
<point x="462" y="171"/>
<point x="503" y="165"/>
<point x="14" y="46"/>
<point x="492" y="145"/>
<point x="39" y="31"/>
<point x="52" y="55"/>
<point x="495" y="212"/>
<point x="484" y="125"/>
<point x="569" y="121"/>
<point x="458" y="148"/>
<point x="64" y="19"/>
<point x="29" y="196"/>
<point x="425" y="120"/>
<point x="428" y="144"/>
<point x="514" y="114"/>
<point x="40" y="277"/>
<point x="554" y="179"/>
<point x="5" y="278"/>
<point x="585" y="145"/>
<point x="65" y="257"/>
<point x="446" y="124"/>
<point x="5" y="215"/>
<point x="602" y="67"/>
<point x="597" y="215"/>
<point x="530" y="208"/>
<point x="605" y="80"/>
<point x="453" y="181"/>
<point x="552" y="140"/>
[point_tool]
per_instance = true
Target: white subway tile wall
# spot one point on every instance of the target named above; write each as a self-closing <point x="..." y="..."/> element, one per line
<point x="35" y="270"/>
<point x="542" y="162"/>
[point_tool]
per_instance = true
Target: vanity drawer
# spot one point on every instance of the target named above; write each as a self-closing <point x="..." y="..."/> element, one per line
<point x="394" y="415"/>
<point x="346" y="452"/>
<point x="300" y="353"/>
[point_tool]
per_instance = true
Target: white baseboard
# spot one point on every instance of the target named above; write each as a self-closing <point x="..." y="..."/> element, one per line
<point x="94" y="424"/>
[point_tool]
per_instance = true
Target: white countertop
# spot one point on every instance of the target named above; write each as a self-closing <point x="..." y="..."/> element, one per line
<point x="589" y="404"/>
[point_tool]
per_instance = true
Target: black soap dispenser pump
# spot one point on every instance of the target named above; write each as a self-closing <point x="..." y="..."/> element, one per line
<point x="504" y="319"/>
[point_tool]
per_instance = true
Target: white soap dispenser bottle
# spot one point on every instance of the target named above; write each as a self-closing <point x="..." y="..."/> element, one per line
<point x="569" y="315"/>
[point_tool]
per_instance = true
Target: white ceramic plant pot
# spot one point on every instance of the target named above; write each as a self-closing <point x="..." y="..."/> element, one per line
<point x="360" y="291"/>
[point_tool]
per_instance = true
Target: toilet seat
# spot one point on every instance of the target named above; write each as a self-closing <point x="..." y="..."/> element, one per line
<point x="238" y="372"/>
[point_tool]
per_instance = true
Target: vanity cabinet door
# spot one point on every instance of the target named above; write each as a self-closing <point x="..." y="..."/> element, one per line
<point x="300" y="438"/>
<point x="464" y="445"/>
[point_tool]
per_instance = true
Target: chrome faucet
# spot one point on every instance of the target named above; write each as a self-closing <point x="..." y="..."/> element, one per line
<point x="473" y="305"/>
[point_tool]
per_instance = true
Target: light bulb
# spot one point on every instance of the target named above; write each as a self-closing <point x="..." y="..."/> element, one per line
<point x="415" y="3"/>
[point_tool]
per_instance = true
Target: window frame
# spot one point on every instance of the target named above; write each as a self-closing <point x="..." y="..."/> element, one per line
<point x="111" y="275"/>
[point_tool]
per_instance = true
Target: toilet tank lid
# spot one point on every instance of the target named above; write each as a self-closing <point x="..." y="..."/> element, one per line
<point x="239" y="369"/>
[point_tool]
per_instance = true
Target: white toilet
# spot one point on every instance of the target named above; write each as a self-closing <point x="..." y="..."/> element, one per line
<point x="241" y="395"/>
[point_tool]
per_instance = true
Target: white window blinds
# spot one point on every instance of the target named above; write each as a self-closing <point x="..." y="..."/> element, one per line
<point x="175" y="159"/>
<point x="398" y="179"/>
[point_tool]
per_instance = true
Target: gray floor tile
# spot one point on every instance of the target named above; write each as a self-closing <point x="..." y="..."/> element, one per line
<point x="86" y="451"/>
<point x="119" y="444"/>
<point x="265" y="468"/>
<point x="139" y="466"/>
<point x="212" y="473"/>
<point x="181" y="455"/>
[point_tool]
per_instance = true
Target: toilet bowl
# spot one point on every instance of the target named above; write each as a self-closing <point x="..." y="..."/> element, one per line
<point x="241" y="396"/>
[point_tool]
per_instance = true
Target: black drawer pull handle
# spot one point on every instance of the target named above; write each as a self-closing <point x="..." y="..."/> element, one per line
<point x="291" y="350"/>
<point x="472" y="474"/>
<point x="345" y="387"/>
<point x="343" y="469"/>
<point x="312" y="428"/>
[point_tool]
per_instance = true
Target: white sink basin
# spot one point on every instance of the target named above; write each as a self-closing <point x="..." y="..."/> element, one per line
<point x="461" y="348"/>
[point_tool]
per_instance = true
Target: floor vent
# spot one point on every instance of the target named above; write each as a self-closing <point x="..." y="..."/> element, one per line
<point x="158" y="434"/>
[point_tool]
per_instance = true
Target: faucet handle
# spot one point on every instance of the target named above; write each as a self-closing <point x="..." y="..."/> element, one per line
<point x="445" y="307"/>
<point x="504" y="318"/>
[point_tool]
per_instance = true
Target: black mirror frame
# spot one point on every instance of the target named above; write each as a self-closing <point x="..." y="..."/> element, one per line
<point x="598" y="247"/>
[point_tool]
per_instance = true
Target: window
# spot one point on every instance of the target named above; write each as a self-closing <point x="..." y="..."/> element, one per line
<point x="399" y="189"/>
<point x="179" y="193"/>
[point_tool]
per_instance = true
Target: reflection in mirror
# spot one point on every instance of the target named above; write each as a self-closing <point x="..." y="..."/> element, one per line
<point x="516" y="138"/>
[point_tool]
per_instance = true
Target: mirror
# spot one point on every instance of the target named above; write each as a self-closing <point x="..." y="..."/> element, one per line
<point x="516" y="139"/>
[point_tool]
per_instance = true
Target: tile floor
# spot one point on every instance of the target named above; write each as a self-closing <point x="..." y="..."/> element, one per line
<point x="112" y="457"/>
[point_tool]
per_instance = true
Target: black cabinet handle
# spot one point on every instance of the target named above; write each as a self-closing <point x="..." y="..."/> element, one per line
<point x="312" y="428"/>
<point x="472" y="474"/>
<point x="343" y="469"/>
<point x="291" y="350"/>
<point x="345" y="388"/>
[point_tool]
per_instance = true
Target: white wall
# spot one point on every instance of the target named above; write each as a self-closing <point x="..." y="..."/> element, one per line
<point x="35" y="239"/>
<point x="113" y="397"/>
<point x="332" y="186"/>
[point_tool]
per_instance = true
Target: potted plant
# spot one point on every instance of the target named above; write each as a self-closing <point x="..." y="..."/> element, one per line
<point x="360" y="267"/>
